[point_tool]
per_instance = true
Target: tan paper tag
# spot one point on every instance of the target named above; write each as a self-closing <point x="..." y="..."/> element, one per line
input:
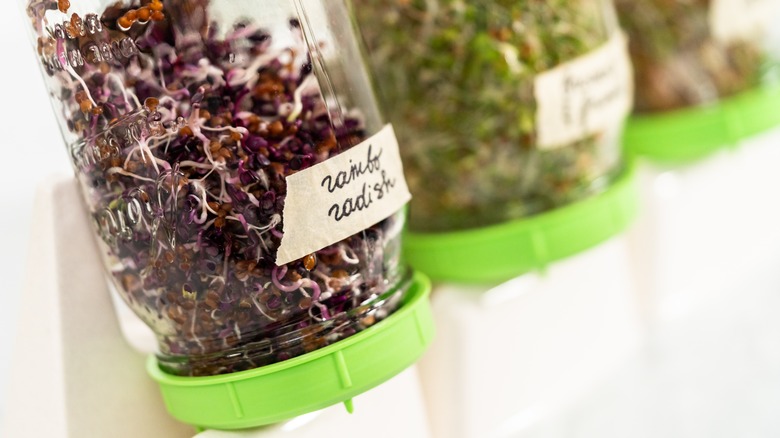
<point x="342" y="196"/>
<point x="585" y="96"/>
<point x="733" y="20"/>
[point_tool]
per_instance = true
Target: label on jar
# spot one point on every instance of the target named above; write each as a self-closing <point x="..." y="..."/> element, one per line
<point x="585" y="96"/>
<point x="733" y="20"/>
<point x="342" y="196"/>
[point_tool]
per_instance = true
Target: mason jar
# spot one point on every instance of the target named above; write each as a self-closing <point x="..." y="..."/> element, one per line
<point x="247" y="195"/>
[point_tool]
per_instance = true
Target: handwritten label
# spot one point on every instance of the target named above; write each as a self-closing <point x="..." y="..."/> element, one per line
<point x="733" y="20"/>
<point x="585" y="96"/>
<point x="343" y="196"/>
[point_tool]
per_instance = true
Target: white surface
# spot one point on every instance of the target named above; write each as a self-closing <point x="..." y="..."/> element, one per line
<point x="713" y="374"/>
<point x="507" y="358"/>
<point x="705" y="224"/>
<point x="32" y="150"/>
<point x="73" y="368"/>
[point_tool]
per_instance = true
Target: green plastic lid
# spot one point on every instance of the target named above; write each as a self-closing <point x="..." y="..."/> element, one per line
<point x="331" y="375"/>
<point x="692" y="133"/>
<point x="501" y="252"/>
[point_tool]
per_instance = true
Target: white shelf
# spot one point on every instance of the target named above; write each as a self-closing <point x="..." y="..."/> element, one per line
<point x="508" y="357"/>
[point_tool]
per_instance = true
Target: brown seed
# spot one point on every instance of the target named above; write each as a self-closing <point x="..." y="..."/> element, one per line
<point x="73" y="28"/>
<point x="131" y="15"/>
<point x="63" y="5"/>
<point x="340" y="273"/>
<point x="86" y="105"/>
<point x="144" y="14"/>
<point x="124" y="23"/>
<point x="327" y="144"/>
<point x="217" y="121"/>
<point x="151" y="103"/>
<point x="368" y="320"/>
<point x="310" y="262"/>
<point x="97" y="111"/>
<point x="156" y="5"/>
<point x="158" y="16"/>
<point x="276" y="127"/>
<point x="130" y="282"/>
<point x="278" y="168"/>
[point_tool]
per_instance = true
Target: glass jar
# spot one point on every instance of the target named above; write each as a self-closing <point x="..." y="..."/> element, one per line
<point x="466" y="83"/>
<point x="692" y="53"/>
<point x="186" y="120"/>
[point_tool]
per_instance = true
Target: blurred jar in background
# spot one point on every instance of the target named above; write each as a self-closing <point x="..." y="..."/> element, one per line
<point x="505" y="108"/>
<point x="694" y="52"/>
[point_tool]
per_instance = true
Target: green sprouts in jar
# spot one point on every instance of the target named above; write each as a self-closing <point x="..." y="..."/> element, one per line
<point x="458" y="82"/>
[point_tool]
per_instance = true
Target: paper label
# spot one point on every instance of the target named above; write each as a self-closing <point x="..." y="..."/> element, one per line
<point x="732" y="20"/>
<point x="585" y="96"/>
<point x="342" y="196"/>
